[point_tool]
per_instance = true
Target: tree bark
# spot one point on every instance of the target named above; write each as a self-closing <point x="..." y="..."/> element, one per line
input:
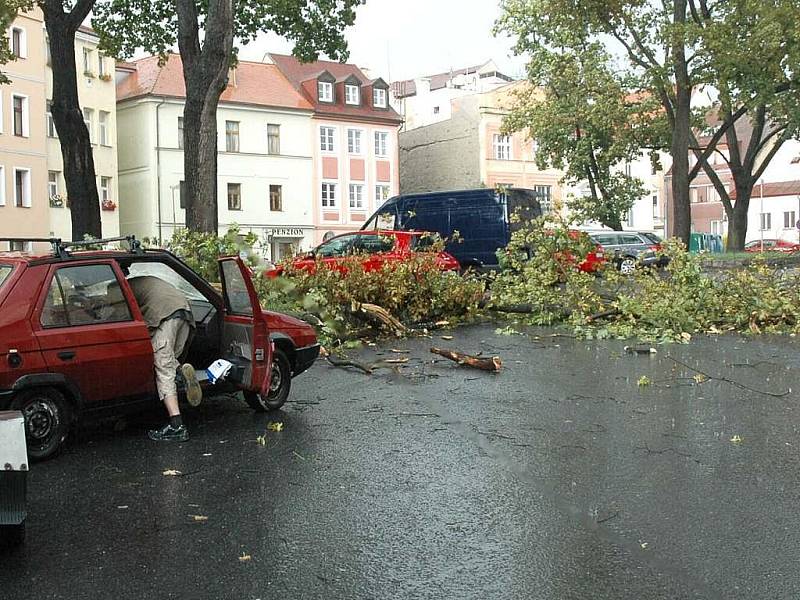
<point x="679" y="148"/>
<point x="205" y="71"/>
<point x="737" y="219"/>
<point x="76" y="146"/>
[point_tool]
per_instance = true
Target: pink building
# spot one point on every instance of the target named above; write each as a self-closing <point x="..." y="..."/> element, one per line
<point x="355" y="150"/>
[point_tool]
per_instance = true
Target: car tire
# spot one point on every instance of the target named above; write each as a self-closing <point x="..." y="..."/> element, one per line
<point x="279" y="388"/>
<point x="47" y="421"/>
<point x="627" y="266"/>
<point x="12" y="536"/>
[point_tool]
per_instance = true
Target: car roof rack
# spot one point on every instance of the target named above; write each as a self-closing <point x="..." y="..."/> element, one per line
<point x="61" y="248"/>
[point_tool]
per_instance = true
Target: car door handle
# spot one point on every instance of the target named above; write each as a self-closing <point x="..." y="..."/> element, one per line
<point x="66" y="355"/>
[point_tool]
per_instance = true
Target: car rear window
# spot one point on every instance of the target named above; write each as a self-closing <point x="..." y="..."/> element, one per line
<point x="374" y="243"/>
<point x="5" y="271"/>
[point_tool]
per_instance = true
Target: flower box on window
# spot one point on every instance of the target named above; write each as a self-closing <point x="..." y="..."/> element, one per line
<point x="89" y="74"/>
<point x="108" y="205"/>
<point x="57" y="201"/>
<point x="106" y="76"/>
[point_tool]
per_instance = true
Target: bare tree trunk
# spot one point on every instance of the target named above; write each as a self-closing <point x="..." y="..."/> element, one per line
<point x="679" y="149"/>
<point x="205" y="72"/>
<point x="76" y="147"/>
<point x="737" y="219"/>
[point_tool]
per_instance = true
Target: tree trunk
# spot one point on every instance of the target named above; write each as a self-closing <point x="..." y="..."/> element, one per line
<point x="205" y="71"/>
<point x="614" y="223"/>
<point x="737" y="221"/>
<point x="76" y="147"/>
<point x="679" y="149"/>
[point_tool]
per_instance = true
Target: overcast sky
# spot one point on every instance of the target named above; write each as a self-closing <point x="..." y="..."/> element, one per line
<point x="402" y="39"/>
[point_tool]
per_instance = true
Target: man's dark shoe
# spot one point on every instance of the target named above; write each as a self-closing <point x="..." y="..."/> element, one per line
<point x="194" y="393"/>
<point x="168" y="433"/>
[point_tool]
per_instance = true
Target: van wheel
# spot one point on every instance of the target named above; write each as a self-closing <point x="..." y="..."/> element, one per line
<point x="279" y="386"/>
<point x="47" y="421"/>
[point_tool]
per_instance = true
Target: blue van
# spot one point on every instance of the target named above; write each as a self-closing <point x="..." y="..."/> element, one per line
<point x="480" y="217"/>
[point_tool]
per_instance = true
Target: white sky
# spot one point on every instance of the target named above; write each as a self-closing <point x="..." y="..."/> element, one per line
<point x="402" y="39"/>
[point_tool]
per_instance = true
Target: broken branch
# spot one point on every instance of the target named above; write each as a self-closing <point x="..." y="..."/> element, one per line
<point x="476" y="362"/>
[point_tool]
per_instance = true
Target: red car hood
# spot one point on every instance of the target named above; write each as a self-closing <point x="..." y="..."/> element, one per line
<point x="302" y="333"/>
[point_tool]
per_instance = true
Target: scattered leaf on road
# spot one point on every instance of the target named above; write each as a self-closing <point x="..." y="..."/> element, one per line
<point x="245" y="557"/>
<point x="644" y="380"/>
<point x="447" y="337"/>
<point x="274" y="426"/>
<point x="199" y="517"/>
<point x="171" y="473"/>
<point x="396" y="360"/>
<point x="398" y="351"/>
<point x="123" y="507"/>
<point x="262" y="440"/>
<point x="700" y="378"/>
<point x="298" y="455"/>
<point x="736" y="439"/>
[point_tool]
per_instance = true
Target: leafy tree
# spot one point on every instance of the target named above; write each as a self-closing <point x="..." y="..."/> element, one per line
<point x="585" y="122"/>
<point x="62" y="19"/>
<point x="204" y="32"/>
<point x="667" y="49"/>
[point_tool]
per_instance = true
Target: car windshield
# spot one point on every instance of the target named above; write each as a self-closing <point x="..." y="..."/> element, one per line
<point x="5" y="271"/>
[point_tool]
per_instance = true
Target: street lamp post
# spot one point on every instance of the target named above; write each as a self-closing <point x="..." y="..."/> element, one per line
<point x="761" y="216"/>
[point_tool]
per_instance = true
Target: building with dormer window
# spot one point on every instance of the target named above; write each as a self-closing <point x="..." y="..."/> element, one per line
<point x="355" y="150"/>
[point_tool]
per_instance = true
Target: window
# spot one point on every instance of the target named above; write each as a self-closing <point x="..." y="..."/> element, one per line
<point x="356" y="195"/>
<point x="694" y="195"/>
<point x="105" y="189"/>
<point x="182" y="194"/>
<point x="354" y="141"/>
<point x="716" y="228"/>
<point x="655" y="205"/>
<point x="381" y="143"/>
<point x="22" y="188"/>
<point x="544" y="194"/>
<point x="103" y="117"/>
<point x="338" y="246"/>
<point x="436" y="110"/>
<point x="789" y="219"/>
<point x="379" y="98"/>
<point x="234" y="196"/>
<point x="87" y="62"/>
<point x="18" y="42"/>
<point x="381" y="194"/>
<point x="329" y="195"/>
<point x="88" y="117"/>
<point x="275" y="198"/>
<point x="766" y="221"/>
<point x="180" y="132"/>
<point x="351" y="94"/>
<point x="630" y="219"/>
<point x="85" y="295"/>
<point x="52" y="184"/>
<point x="51" y="125"/>
<point x="326" y="139"/>
<point x="502" y="146"/>
<point x="273" y="139"/>
<point x="20" y="115"/>
<point x="325" y="91"/>
<point x="232" y="136"/>
<point x="711" y="194"/>
<point x="101" y="65"/>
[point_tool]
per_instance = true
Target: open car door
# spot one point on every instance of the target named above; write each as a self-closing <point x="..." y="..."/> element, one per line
<point x="245" y="339"/>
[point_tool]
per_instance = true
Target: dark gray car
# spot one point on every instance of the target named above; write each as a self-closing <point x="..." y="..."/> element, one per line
<point x="629" y="249"/>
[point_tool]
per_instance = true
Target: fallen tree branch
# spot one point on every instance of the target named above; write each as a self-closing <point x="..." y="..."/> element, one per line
<point x="708" y="376"/>
<point x="382" y="316"/>
<point x="603" y="315"/>
<point x="476" y="362"/>
<point x="344" y="362"/>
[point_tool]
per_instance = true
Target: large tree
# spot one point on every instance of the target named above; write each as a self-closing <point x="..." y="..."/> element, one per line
<point x="585" y="122"/>
<point x="668" y="49"/>
<point x="62" y="20"/>
<point x="204" y="32"/>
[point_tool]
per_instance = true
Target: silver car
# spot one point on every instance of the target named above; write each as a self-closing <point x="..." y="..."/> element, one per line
<point x="630" y="249"/>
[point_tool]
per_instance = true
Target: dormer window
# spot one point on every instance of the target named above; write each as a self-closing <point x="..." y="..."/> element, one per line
<point x="379" y="98"/>
<point x="351" y="94"/>
<point x="325" y="91"/>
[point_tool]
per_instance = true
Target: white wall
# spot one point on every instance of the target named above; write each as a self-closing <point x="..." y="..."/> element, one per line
<point x="776" y="207"/>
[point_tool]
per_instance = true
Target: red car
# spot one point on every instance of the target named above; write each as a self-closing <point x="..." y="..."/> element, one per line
<point x="594" y="259"/>
<point x="771" y="245"/>
<point x="69" y="348"/>
<point x="376" y="248"/>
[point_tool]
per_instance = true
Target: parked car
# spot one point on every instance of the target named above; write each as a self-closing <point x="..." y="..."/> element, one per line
<point x="475" y="223"/>
<point x="771" y="245"/>
<point x="630" y="249"/>
<point x="69" y="348"/>
<point x="374" y="248"/>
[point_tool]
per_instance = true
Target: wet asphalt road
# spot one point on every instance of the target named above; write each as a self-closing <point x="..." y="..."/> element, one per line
<point x="558" y="478"/>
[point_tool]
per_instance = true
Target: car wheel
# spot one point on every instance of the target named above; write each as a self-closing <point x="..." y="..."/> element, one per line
<point x="279" y="386"/>
<point x="47" y="421"/>
<point x="627" y="266"/>
<point x="12" y="536"/>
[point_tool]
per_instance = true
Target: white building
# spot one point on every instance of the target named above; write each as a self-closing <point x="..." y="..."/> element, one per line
<point x="265" y="174"/>
<point x="427" y="100"/>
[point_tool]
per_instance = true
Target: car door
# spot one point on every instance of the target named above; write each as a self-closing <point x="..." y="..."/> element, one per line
<point x="90" y="329"/>
<point x="245" y="338"/>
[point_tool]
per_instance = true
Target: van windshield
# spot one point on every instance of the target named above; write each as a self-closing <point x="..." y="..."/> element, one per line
<point x="5" y="271"/>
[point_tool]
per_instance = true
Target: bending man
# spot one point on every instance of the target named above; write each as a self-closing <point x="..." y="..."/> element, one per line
<point x="170" y="322"/>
